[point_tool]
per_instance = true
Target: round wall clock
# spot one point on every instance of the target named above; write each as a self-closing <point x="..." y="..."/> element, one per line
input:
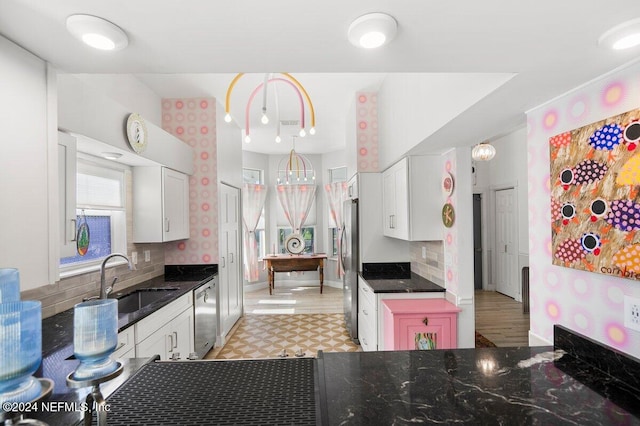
<point x="448" y="215"/>
<point x="294" y="244"/>
<point x="136" y="132"/>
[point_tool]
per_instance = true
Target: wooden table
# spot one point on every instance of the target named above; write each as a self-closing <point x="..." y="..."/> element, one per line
<point x="294" y="262"/>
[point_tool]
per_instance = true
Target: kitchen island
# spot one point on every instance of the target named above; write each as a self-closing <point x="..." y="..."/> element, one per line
<point x="575" y="382"/>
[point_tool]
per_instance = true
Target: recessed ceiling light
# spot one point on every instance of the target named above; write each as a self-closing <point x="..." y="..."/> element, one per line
<point x="622" y="36"/>
<point x="372" y="30"/>
<point x="97" y="32"/>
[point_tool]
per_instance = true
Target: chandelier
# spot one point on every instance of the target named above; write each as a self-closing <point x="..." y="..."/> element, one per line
<point x="295" y="168"/>
<point x="269" y="80"/>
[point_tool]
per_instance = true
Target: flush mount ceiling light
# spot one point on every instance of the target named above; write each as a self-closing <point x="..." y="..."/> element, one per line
<point x="97" y="32"/>
<point x="622" y="36"/>
<point x="372" y="30"/>
<point x="111" y="155"/>
<point x="484" y="151"/>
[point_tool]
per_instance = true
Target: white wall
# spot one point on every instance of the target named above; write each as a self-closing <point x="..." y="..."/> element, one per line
<point x="27" y="166"/>
<point x="414" y="106"/>
<point x="508" y="169"/>
<point x="127" y="90"/>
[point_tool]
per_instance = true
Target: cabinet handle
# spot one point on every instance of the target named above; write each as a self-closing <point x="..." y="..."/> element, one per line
<point x="170" y="342"/>
<point x="175" y="345"/>
<point x="167" y="224"/>
<point x="230" y="257"/>
<point x="426" y="321"/>
<point x="72" y="230"/>
<point x="224" y="264"/>
<point x="364" y="311"/>
<point x="365" y="289"/>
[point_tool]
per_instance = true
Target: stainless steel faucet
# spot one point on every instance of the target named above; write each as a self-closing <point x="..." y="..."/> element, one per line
<point x="104" y="290"/>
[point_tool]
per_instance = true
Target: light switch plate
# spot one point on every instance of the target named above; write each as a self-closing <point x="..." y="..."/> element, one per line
<point x="632" y="313"/>
<point x="147" y="255"/>
<point x="424" y="252"/>
<point x="134" y="257"/>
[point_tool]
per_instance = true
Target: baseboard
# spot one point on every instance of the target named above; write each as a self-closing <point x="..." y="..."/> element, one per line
<point x="292" y="284"/>
<point x="535" y="340"/>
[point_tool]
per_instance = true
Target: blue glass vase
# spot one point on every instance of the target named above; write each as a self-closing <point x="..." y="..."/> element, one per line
<point x="20" y="350"/>
<point x="9" y="285"/>
<point x="95" y="336"/>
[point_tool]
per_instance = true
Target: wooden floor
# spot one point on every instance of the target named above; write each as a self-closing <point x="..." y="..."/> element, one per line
<point x="499" y="318"/>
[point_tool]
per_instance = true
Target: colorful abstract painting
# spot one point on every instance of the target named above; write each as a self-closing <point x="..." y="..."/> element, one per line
<point x="595" y="208"/>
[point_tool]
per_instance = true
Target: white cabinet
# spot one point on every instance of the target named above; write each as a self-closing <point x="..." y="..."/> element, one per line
<point x="160" y="205"/>
<point x="412" y="200"/>
<point x="230" y="284"/>
<point x="367" y="317"/>
<point x="167" y="331"/>
<point x="126" y="344"/>
<point x="67" y="166"/>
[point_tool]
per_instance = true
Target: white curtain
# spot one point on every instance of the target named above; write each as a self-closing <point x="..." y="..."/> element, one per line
<point x="336" y="195"/>
<point x="253" y="197"/>
<point x="296" y="200"/>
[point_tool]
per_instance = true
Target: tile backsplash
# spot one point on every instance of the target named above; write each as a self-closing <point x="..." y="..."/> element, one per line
<point x="431" y="268"/>
<point x="63" y="294"/>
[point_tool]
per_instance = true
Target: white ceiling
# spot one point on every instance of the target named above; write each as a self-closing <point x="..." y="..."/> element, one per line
<point x="194" y="47"/>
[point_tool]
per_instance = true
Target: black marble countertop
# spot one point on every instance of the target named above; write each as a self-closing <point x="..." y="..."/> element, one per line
<point x="413" y="284"/>
<point x="490" y="386"/>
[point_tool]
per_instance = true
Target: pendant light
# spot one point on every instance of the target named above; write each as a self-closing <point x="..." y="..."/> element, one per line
<point x="484" y="151"/>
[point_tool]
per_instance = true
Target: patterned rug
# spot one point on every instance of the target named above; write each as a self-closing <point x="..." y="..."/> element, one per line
<point x="483" y="342"/>
<point x="266" y="336"/>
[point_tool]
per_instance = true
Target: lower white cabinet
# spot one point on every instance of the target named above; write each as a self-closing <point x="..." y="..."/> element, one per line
<point x="367" y="317"/>
<point x="167" y="331"/>
<point x="126" y="344"/>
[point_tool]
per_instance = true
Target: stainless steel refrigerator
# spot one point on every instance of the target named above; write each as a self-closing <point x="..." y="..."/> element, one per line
<point x="349" y="256"/>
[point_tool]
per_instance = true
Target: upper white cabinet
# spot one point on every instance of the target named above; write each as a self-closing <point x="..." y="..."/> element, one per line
<point x="160" y="205"/>
<point x="67" y="193"/>
<point x="412" y="199"/>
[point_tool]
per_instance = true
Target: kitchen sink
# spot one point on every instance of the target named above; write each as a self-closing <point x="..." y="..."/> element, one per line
<point x="138" y="299"/>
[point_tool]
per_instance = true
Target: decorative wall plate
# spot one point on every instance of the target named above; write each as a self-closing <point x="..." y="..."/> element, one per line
<point x="294" y="244"/>
<point x="448" y="215"/>
<point x="136" y="132"/>
<point x="447" y="183"/>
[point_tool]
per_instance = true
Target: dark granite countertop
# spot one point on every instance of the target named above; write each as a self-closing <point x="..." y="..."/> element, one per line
<point x="496" y="386"/>
<point x="413" y="284"/>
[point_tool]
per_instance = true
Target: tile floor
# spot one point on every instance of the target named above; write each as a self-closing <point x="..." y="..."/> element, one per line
<point x="293" y="319"/>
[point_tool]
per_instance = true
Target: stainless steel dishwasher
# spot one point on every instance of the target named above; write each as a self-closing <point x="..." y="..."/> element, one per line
<point x="204" y="308"/>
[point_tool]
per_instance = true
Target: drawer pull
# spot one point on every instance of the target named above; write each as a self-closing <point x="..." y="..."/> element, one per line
<point x="426" y="321"/>
<point x="364" y="311"/>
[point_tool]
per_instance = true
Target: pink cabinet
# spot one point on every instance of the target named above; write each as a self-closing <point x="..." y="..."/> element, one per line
<point x="420" y="324"/>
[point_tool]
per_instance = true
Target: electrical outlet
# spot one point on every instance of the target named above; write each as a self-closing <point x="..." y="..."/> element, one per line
<point x="134" y="257"/>
<point x="632" y="313"/>
<point x="147" y="255"/>
<point x="424" y="252"/>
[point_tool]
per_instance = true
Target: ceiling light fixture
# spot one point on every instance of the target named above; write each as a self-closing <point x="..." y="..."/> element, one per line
<point x="268" y="79"/>
<point x="97" y="32"/>
<point x="622" y="36"/>
<point x="111" y="155"/>
<point x="484" y="151"/>
<point x="372" y="30"/>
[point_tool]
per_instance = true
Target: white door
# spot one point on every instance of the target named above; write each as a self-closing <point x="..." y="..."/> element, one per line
<point x="506" y="244"/>
<point x="230" y="293"/>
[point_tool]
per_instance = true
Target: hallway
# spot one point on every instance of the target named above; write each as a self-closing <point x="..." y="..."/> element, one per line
<point x="499" y="318"/>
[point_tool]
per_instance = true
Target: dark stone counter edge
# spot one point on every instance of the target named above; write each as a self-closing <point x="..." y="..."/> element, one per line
<point x="610" y="361"/>
<point x="414" y="284"/>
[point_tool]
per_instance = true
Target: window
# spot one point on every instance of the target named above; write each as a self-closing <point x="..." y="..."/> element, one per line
<point x="100" y="194"/>
<point x="308" y="234"/>
<point x="338" y="174"/>
<point x="256" y="177"/>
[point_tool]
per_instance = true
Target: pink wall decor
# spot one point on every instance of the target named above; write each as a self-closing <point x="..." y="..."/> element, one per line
<point x="193" y="121"/>
<point x="595" y="213"/>
<point x="367" y="131"/>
